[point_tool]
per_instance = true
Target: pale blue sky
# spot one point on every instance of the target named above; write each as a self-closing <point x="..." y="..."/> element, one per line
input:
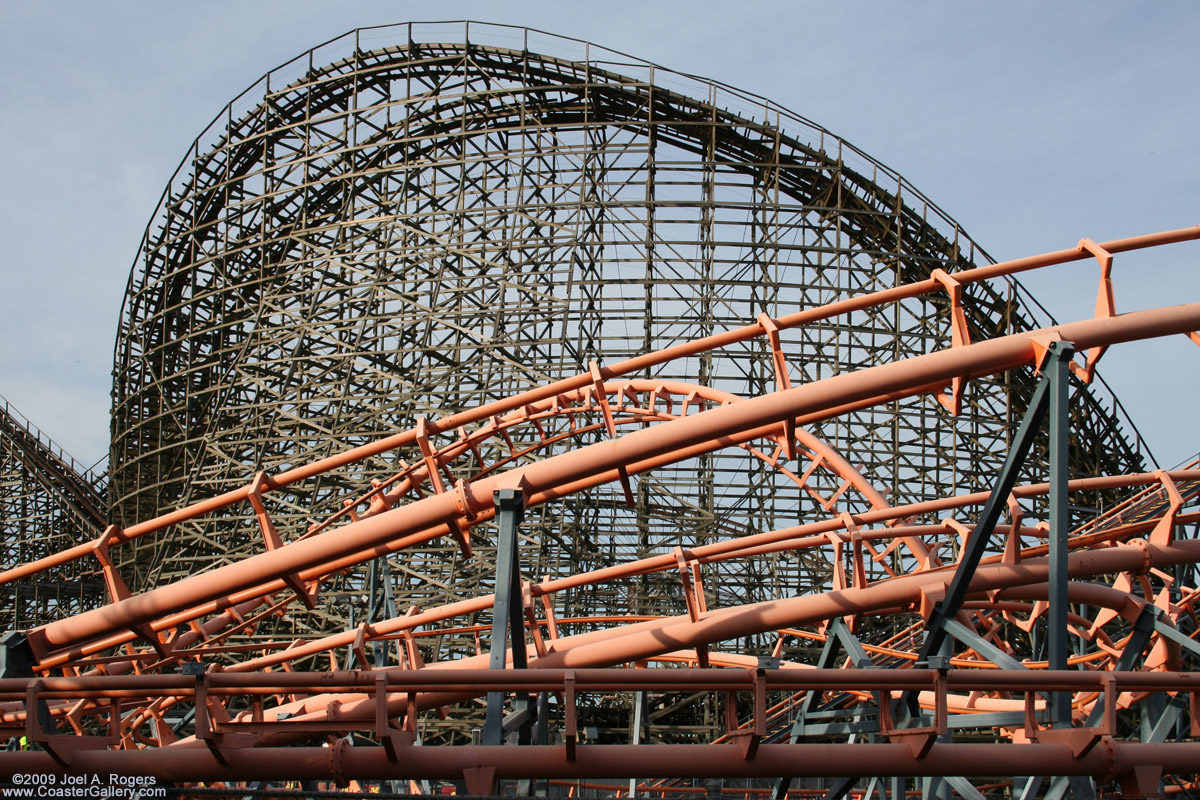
<point x="1031" y="124"/>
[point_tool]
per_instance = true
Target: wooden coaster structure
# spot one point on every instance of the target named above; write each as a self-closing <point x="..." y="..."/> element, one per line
<point x="415" y="221"/>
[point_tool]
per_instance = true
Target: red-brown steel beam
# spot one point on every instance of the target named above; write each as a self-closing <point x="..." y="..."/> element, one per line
<point x="797" y="678"/>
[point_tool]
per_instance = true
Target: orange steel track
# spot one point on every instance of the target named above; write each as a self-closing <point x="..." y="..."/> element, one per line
<point x="107" y="675"/>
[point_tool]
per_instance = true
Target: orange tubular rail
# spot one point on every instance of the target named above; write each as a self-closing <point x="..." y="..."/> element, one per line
<point x="633" y="365"/>
<point x="635" y="452"/>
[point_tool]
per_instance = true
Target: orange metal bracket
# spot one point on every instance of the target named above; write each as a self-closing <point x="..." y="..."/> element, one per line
<point x="262" y="482"/>
<point x="783" y="381"/>
<point x="1105" y="307"/>
<point x="959" y="337"/>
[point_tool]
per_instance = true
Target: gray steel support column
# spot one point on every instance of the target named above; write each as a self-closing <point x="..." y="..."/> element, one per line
<point x="382" y="606"/>
<point x="1168" y="631"/>
<point x="1057" y="372"/>
<point x="949" y="606"/>
<point x="506" y="615"/>
<point x="16" y="661"/>
<point x="964" y="787"/>
<point x="1150" y="712"/>
<point x="980" y="645"/>
<point x="840" y="788"/>
<point x="838" y="639"/>
<point x="1139" y="638"/>
<point x="1080" y="787"/>
<point x="1166" y="723"/>
<point x="639" y="723"/>
<point x="937" y="787"/>
<point x="1027" y="790"/>
<point x="541" y="734"/>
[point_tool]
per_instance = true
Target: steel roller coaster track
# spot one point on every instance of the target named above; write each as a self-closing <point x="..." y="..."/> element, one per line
<point x="960" y="639"/>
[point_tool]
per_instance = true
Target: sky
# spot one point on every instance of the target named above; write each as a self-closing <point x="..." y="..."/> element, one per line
<point x="1033" y="125"/>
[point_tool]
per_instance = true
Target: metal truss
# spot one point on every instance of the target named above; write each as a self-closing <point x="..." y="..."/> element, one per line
<point x="1114" y="702"/>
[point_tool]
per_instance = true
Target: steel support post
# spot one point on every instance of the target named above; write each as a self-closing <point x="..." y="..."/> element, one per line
<point x="1165" y="723"/>
<point x="16" y="661"/>
<point x="639" y="733"/>
<point x="1027" y="788"/>
<point x="541" y="734"/>
<point x="1139" y="637"/>
<point x="1168" y="631"/>
<point x="838" y="640"/>
<point x="963" y="787"/>
<point x="16" y="657"/>
<point x="937" y="787"/>
<point x="934" y="787"/>
<point x="840" y="788"/>
<point x="1079" y="787"/>
<point x="935" y="632"/>
<point x="382" y="606"/>
<point x="507" y="617"/>
<point x="1056" y="372"/>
